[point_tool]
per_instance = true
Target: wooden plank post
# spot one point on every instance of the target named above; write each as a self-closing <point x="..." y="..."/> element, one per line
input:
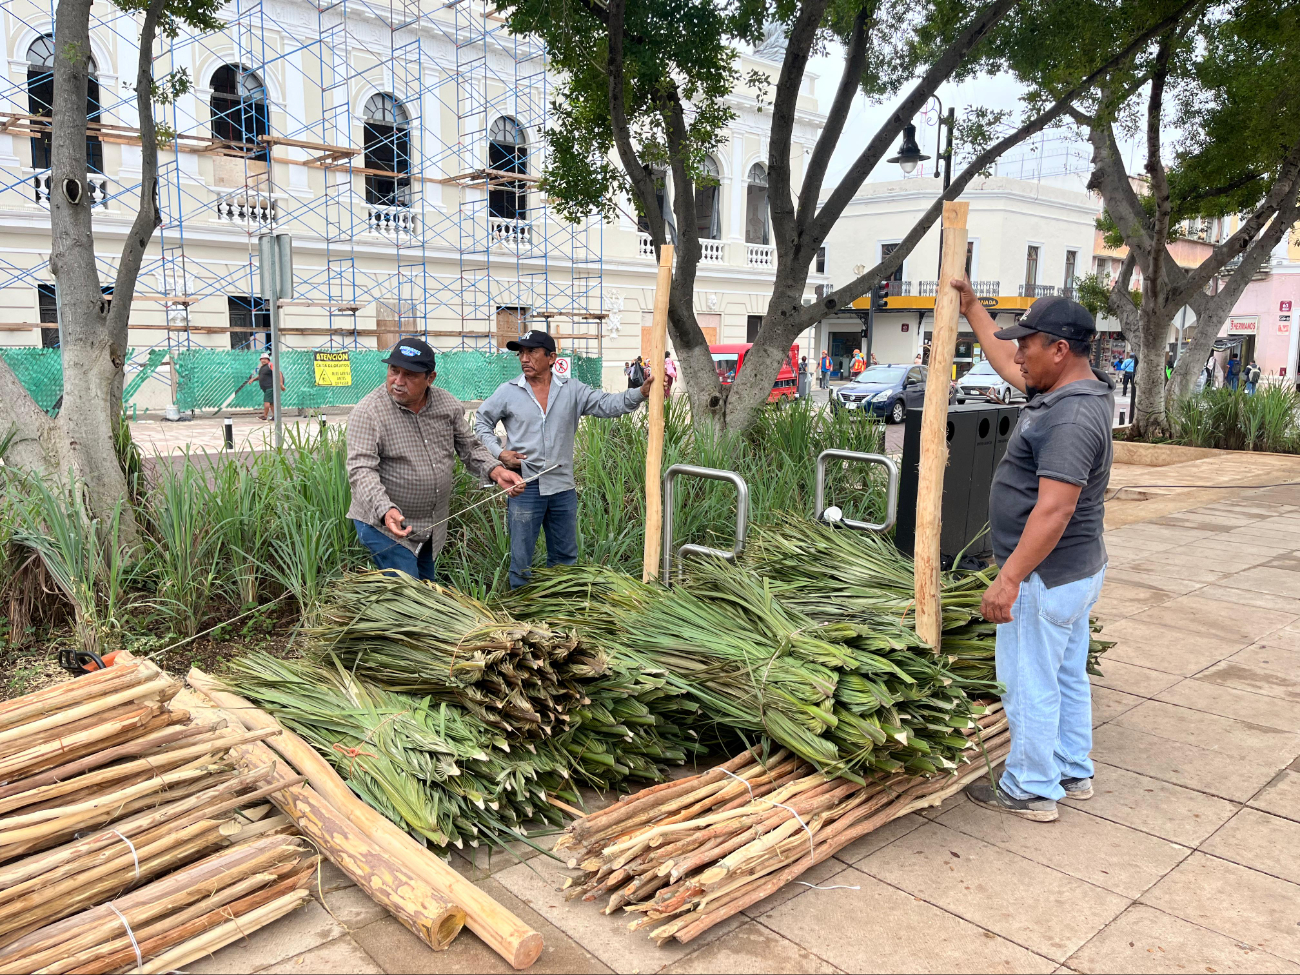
<point x="654" y="454"/>
<point x="934" y="427"/>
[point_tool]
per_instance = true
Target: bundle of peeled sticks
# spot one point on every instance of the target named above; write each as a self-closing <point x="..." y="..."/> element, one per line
<point x="130" y="836"/>
<point x="683" y="856"/>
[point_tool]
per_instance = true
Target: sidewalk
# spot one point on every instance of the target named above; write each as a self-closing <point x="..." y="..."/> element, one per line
<point x="1186" y="860"/>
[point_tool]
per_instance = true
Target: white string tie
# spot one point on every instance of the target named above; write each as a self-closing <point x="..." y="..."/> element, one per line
<point x="831" y="887"/>
<point x="134" y="856"/>
<point x="812" y="848"/>
<point x="139" y="959"/>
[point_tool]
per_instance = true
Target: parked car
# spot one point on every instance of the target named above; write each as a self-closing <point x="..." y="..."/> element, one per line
<point x="885" y="390"/>
<point x="983" y="382"/>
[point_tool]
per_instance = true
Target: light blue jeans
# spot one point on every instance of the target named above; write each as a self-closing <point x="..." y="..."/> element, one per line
<point x="1042" y="659"/>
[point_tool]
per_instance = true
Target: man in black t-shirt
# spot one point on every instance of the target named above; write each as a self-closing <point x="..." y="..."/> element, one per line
<point x="265" y="379"/>
<point x="1045" y="519"/>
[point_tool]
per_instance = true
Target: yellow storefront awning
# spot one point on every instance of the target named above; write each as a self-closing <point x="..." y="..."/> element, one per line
<point x="1000" y="303"/>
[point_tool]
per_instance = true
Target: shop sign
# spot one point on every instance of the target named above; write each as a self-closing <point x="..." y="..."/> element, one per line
<point x="1284" y="325"/>
<point x="1243" y="324"/>
<point x="1284" y="306"/>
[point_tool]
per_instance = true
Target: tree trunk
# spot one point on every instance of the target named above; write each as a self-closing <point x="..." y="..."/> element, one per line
<point x="1149" y="406"/>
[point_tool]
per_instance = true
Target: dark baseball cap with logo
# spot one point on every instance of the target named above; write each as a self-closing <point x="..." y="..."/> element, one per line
<point x="1057" y="316"/>
<point x="532" y="339"/>
<point x="413" y="354"/>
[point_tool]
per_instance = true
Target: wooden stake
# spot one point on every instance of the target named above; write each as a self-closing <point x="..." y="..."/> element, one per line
<point x="934" y="427"/>
<point x="654" y="454"/>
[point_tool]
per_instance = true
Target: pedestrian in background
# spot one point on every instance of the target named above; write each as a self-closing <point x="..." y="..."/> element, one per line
<point x="1252" y="377"/>
<point x="803" y="377"/>
<point x="635" y="376"/>
<point x="858" y="364"/>
<point x="1233" y="373"/>
<point x="826" y="365"/>
<point x="266" y="379"/>
<point x="1126" y="370"/>
<point x="670" y="374"/>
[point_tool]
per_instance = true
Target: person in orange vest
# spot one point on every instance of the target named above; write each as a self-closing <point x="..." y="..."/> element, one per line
<point x="826" y="366"/>
<point x="858" y="363"/>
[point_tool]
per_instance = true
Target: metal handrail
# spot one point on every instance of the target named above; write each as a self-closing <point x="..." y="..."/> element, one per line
<point x="742" y="514"/>
<point x="891" y="491"/>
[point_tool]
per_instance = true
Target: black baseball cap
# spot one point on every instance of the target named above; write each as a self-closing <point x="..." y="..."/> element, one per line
<point x="532" y="339"/>
<point x="1057" y="316"/>
<point x="413" y="354"/>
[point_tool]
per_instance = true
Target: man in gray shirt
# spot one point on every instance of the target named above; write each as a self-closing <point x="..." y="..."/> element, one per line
<point x="540" y="412"/>
<point x="1045" y="517"/>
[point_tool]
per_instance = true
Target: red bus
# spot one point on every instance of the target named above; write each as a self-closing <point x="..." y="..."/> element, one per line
<point x="729" y="358"/>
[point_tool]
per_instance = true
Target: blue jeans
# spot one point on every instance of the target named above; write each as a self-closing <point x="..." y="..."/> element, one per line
<point x="388" y="554"/>
<point x="528" y="515"/>
<point x="1042" y="659"/>
<point x="1250" y="389"/>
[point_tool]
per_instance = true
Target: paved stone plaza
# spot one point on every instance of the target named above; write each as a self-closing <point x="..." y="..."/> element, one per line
<point x="1186" y="860"/>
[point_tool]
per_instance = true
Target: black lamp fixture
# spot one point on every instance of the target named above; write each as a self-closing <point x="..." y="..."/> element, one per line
<point x="909" y="153"/>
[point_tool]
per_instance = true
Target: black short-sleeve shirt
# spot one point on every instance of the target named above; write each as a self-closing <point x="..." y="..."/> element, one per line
<point x="1064" y="435"/>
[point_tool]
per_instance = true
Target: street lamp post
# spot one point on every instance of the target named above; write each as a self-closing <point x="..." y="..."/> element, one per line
<point x="909" y="154"/>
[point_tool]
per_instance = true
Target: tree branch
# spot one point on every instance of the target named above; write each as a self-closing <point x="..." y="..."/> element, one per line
<point x="793" y="65"/>
<point x="855" y="60"/>
<point x="1156" y="174"/>
<point x="939" y="72"/>
<point x="643" y="184"/>
<point x="147" y="217"/>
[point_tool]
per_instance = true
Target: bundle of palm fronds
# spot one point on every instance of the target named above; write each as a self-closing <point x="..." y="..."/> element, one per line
<point x="448" y="776"/>
<point x="830" y="574"/>
<point x="407" y="635"/>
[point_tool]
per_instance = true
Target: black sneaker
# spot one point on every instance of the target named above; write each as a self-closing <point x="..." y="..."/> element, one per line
<point x="1078" y="789"/>
<point x="1036" y="809"/>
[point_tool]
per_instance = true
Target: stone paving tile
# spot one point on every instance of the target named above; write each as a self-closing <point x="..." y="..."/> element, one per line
<point x="1108" y="704"/>
<point x="1190" y="556"/>
<point x="824" y="872"/>
<point x="880" y="838"/>
<point x="752" y="949"/>
<point x="1259" y="670"/>
<point x="1269" y="844"/>
<point x="342" y="956"/>
<point x="1160" y="808"/>
<point x="1221" y="592"/>
<point x="1281" y="797"/>
<point x="1149" y="580"/>
<point x="1286" y="638"/>
<point x="887" y="926"/>
<point x="1231" y="703"/>
<point x="1179" y="763"/>
<point x="398" y="951"/>
<point x="537" y="883"/>
<point x="1143" y="940"/>
<point x="353" y="907"/>
<point x="1151" y="645"/>
<point x="1202" y="573"/>
<point x="1119" y="600"/>
<point x="1097" y="850"/>
<point x="300" y="931"/>
<point x="1278" y="582"/>
<point x="1234" y="544"/>
<point x="1158" y="534"/>
<point x="1132" y="679"/>
<point x="1235" y="901"/>
<point x="1201" y="615"/>
<point x="1035" y="906"/>
<point x="1251" y="742"/>
<point x="331" y="878"/>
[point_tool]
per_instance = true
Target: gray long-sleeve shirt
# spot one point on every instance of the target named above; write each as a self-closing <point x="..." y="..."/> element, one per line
<point x="546" y="437"/>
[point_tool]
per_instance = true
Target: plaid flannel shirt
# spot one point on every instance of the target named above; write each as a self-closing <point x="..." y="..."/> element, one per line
<point x="401" y="459"/>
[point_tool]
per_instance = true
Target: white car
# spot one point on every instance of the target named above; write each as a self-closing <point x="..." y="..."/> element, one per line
<point x="983" y="382"/>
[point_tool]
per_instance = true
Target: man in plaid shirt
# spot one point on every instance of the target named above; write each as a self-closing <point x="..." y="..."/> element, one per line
<point x="402" y="443"/>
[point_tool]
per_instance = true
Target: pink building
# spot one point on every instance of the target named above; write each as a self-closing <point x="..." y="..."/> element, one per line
<point x="1265" y="316"/>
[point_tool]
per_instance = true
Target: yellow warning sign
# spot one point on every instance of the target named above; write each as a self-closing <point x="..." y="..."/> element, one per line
<point x="333" y="369"/>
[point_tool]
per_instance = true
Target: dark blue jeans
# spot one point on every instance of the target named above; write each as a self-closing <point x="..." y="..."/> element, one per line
<point x="388" y="554"/>
<point x="528" y="515"/>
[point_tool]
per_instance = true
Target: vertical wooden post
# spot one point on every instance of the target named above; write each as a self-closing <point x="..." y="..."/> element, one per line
<point x="654" y="454"/>
<point x="934" y="427"/>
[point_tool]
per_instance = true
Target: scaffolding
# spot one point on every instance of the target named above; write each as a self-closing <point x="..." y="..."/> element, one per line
<point x="399" y="142"/>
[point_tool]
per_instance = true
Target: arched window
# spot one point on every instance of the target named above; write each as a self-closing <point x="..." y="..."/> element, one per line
<point x="40" y="101"/>
<point x="239" y="108"/>
<point x="756" y="205"/>
<point x="386" y="136"/>
<point x="708" y="213"/>
<point x="507" y="153"/>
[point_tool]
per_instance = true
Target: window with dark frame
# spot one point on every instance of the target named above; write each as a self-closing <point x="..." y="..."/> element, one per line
<point x="1071" y="269"/>
<point x="708" y="208"/>
<point x="821" y="259"/>
<point x="507" y="153"/>
<point x="1031" y="269"/>
<point x="386" y="142"/>
<point x="40" y="102"/>
<point x="239" y="113"/>
<point x="49" y="313"/>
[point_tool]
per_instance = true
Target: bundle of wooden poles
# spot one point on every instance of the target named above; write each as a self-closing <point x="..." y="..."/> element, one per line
<point x="683" y="856"/>
<point x="130" y="837"/>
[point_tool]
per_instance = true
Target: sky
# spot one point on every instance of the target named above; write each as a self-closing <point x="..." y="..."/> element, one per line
<point x="992" y="91"/>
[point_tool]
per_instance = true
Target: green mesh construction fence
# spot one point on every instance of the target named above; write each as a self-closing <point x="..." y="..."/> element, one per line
<point x="210" y="379"/>
<point x="40" y="371"/>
